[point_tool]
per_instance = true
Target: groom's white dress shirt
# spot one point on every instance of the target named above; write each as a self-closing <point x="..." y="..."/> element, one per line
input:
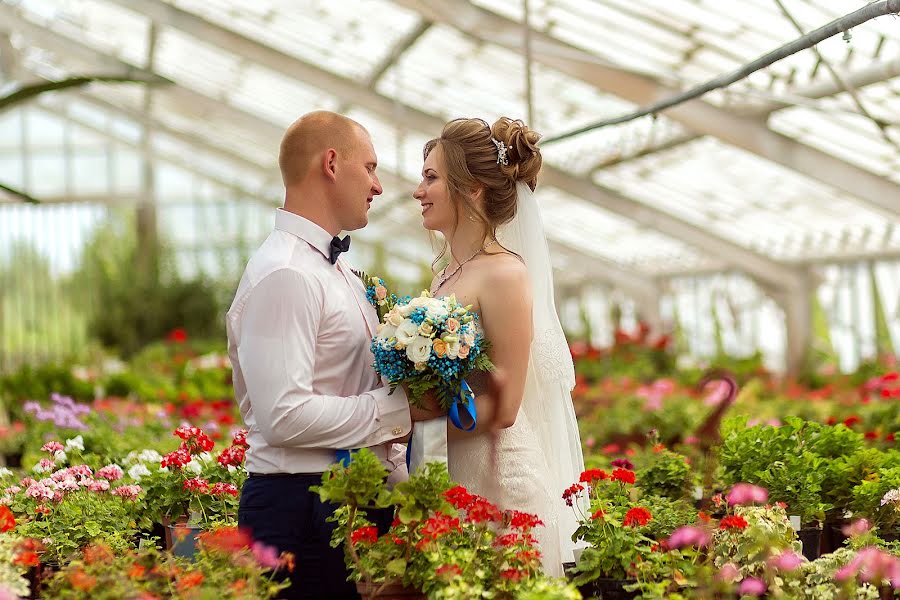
<point x="299" y="332"/>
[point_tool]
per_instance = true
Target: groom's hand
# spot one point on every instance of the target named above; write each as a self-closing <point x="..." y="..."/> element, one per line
<point x="430" y="409"/>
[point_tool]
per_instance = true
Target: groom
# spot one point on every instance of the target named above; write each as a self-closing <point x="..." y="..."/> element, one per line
<point x="299" y="332"/>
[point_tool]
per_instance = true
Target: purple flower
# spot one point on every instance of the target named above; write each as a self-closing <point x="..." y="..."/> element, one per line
<point x="266" y="556"/>
<point x="751" y="586"/>
<point x="786" y="561"/>
<point x="689" y="536"/>
<point x="745" y="493"/>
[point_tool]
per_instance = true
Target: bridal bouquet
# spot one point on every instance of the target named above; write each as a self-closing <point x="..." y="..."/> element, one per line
<point x="429" y="344"/>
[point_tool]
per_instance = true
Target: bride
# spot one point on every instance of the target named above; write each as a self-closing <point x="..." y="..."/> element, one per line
<point x="477" y="190"/>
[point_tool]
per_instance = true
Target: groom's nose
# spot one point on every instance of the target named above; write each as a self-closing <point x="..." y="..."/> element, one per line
<point x="376" y="186"/>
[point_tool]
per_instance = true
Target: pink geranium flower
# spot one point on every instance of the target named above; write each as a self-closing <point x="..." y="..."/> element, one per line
<point x="857" y="528"/>
<point x="751" y="586"/>
<point x="745" y="493"/>
<point x="872" y="565"/>
<point x="689" y="536"/>
<point x="788" y="560"/>
<point x="728" y="573"/>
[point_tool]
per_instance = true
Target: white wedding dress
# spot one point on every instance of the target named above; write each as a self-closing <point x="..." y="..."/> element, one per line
<point x="540" y="455"/>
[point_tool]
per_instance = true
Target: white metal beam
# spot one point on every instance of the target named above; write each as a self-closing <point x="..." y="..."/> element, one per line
<point x="753" y="263"/>
<point x="749" y="134"/>
<point x="388" y="108"/>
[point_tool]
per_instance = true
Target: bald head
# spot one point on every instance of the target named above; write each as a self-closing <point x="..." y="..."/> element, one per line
<point x="310" y="136"/>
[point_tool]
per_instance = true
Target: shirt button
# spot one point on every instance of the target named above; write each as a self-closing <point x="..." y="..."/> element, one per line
<point x="397" y="430"/>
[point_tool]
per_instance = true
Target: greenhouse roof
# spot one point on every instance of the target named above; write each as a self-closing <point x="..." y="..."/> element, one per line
<point x="778" y="171"/>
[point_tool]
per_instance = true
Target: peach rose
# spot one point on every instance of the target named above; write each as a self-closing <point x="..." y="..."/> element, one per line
<point x="451" y="325"/>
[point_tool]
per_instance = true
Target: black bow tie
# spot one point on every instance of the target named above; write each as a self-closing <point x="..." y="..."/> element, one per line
<point x="338" y="245"/>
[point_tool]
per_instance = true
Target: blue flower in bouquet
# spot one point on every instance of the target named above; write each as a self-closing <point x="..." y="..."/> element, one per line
<point x="429" y="343"/>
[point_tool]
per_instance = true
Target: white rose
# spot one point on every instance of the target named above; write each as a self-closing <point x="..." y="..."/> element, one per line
<point x="419" y="349"/>
<point x="138" y="471"/>
<point x="76" y="443"/>
<point x="426" y="329"/>
<point x="405" y="310"/>
<point x="406" y="332"/>
<point x="394" y="317"/>
<point x="452" y="347"/>
<point x="386" y="332"/>
<point x="419" y="302"/>
<point x="437" y="311"/>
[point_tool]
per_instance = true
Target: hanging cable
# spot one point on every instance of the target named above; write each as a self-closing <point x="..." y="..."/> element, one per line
<point x="841" y="25"/>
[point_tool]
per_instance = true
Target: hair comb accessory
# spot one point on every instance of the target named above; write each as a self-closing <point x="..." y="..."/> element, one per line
<point x="501" y="152"/>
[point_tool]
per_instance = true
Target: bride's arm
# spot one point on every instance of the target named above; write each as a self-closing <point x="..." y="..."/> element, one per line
<point x="505" y="304"/>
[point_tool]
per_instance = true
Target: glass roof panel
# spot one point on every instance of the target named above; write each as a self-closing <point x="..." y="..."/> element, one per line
<point x="607" y="235"/>
<point x="244" y="105"/>
<point x="348" y="42"/>
<point x="781" y="213"/>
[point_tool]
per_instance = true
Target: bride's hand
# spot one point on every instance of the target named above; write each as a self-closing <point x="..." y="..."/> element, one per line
<point x="430" y="409"/>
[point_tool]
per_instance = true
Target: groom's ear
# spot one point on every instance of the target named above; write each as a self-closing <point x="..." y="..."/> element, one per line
<point x="329" y="164"/>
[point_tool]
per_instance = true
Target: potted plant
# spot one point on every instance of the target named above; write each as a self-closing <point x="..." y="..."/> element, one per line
<point x="615" y="529"/>
<point x="191" y="490"/>
<point x="878" y="500"/>
<point x="228" y="565"/>
<point x="444" y="542"/>
<point x="789" y="469"/>
<point x="69" y="507"/>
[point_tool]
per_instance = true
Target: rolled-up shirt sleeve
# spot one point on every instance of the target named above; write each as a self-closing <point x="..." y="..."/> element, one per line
<point x="277" y="351"/>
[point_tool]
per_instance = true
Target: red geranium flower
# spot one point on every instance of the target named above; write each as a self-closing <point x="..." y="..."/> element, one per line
<point x="733" y="522"/>
<point x="178" y="336"/>
<point x="623" y="475"/>
<point x="365" y="534"/>
<point x="592" y="475"/>
<point x="7" y="520"/>
<point x="852" y="420"/>
<point x="637" y="516"/>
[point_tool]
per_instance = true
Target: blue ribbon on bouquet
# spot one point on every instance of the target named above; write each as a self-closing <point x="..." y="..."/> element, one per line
<point x="343" y="456"/>
<point x="466" y="399"/>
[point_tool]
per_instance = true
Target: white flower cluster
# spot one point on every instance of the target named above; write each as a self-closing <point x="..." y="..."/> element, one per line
<point x="892" y="497"/>
<point x="443" y="331"/>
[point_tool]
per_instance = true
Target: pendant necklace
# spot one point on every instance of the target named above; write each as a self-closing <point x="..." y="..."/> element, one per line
<point x="444" y="276"/>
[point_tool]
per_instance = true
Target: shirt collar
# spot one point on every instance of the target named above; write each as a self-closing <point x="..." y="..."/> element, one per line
<point x="304" y="229"/>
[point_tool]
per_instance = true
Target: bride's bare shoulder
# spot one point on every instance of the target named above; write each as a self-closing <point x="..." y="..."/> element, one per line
<point x="504" y="270"/>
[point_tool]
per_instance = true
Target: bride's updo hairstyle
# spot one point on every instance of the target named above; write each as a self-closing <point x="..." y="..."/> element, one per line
<point x="473" y="160"/>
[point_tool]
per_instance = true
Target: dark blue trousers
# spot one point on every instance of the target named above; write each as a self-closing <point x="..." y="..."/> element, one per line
<point x="279" y="510"/>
